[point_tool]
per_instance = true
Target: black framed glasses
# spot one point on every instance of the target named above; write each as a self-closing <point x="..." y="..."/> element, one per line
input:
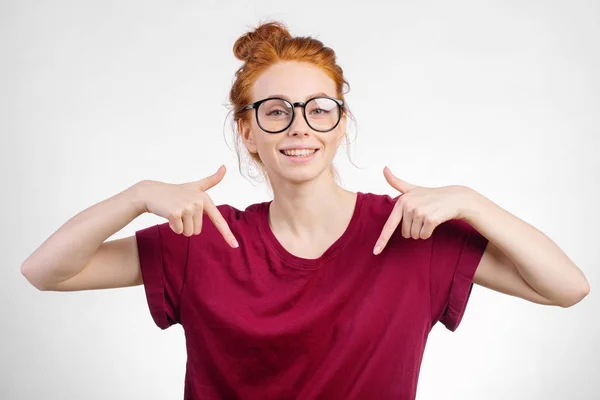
<point x="275" y="114"/>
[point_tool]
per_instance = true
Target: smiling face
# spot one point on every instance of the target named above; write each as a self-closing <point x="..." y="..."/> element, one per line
<point x="289" y="155"/>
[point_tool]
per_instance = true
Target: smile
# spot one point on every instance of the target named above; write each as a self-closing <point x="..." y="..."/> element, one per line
<point x="299" y="152"/>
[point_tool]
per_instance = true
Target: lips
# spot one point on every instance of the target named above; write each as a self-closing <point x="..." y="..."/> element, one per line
<point x="298" y="152"/>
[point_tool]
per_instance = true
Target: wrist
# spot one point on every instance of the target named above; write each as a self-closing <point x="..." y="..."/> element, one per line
<point x="470" y="204"/>
<point x="137" y="198"/>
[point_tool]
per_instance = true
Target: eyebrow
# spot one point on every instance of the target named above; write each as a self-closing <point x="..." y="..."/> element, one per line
<point x="306" y="98"/>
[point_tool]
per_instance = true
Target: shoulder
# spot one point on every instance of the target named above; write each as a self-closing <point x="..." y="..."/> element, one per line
<point x="241" y="221"/>
<point x="246" y="225"/>
<point x="378" y="205"/>
<point x="234" y="214"/>
<point x="375" y="209"/>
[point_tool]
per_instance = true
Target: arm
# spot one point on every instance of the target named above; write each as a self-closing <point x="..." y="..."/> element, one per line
<point x="76" y="256"/>
<point x="519" y="259"/>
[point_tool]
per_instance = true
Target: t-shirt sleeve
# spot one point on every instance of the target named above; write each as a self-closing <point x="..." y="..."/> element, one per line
<point x="456" y="251"/>
<point x="163" y="259"/>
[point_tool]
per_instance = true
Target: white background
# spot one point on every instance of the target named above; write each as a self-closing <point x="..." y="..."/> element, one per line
<point x="500" y="96"/>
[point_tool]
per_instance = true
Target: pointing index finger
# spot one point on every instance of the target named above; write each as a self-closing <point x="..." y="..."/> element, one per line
<point x="215" y="216"/>
<point x="388" y="229"/>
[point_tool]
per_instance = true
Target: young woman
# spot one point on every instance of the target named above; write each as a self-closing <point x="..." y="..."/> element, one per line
<point x="321" y="292"/>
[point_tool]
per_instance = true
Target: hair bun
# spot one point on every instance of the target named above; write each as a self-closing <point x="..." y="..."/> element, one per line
<point x="271" y="32"/>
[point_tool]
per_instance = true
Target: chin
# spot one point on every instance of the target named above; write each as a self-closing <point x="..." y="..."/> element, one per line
<point x="303" y="175"/>
<point x="299" y="178"/>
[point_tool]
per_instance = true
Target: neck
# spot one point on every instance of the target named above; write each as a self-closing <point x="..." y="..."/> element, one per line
<point x="310" y="207"/>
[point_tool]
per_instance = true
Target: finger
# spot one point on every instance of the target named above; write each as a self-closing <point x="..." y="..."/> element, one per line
<point x="176" y="224"/>
<point x="212" y="180"/>
<point x="389" y="228"/>
<point x="198" y="217"/>
<point x="417" y="224"/>
<point x="407" y="220"/>
<point x="188" y="222"/>
<point x="396" y="182"/>
<point x="217" y="219"/>
<point x="428" y="226"/>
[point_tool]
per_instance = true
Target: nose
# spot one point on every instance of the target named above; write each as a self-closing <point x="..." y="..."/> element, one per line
<point x="299" y="126"/>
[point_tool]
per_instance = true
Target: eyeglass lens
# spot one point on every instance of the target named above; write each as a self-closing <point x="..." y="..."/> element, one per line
<point x="322" y="114"/>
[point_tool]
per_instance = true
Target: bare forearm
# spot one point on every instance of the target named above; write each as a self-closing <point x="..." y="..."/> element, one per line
<point x="67" y="251"/>
<point x="540" y="262"/>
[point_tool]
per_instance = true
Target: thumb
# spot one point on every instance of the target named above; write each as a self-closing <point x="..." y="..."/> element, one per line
<point x="212" y="180"/>
<point x="396" y="182"/>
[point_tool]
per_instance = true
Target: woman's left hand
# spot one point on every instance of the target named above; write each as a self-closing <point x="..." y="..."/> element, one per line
<point x="421" y="209"/>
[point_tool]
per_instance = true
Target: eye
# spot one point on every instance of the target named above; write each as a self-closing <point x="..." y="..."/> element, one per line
<point x="276" y="113"/>
<point x="319" y="111"/>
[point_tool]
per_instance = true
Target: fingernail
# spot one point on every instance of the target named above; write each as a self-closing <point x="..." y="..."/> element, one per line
<point x="377" y="249"/>
<point x="234" y="243"/>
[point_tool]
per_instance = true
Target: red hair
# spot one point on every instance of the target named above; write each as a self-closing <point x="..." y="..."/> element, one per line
<point x="269" y="44"/>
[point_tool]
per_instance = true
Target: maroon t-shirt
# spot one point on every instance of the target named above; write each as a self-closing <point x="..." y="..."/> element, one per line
<point x="261" y="323"/>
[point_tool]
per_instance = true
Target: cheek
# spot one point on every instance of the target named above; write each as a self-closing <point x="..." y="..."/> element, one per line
<point x="265" y="144"/>
<point x="257" y="138"/>
<point x="335" y="140"/>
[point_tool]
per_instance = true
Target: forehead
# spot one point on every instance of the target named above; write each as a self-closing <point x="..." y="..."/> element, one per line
<point x="296" y="80"/>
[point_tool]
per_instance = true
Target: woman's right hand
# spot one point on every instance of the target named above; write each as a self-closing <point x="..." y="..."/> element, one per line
<point x="183" y="205"/>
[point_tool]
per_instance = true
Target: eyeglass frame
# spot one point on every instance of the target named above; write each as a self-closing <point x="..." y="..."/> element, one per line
<point x="256" y="105"/>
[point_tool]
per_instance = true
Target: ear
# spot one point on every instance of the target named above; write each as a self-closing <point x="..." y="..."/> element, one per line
<point x="246" y="134"/>
<point x="342" y="130"/>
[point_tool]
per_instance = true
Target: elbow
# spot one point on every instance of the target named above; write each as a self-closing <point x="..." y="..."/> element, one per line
<point x="27" y="273"/>
<point x="579" y="295"/>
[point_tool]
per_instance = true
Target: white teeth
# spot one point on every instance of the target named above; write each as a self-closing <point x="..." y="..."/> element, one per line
<point x="299" y="152"/>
